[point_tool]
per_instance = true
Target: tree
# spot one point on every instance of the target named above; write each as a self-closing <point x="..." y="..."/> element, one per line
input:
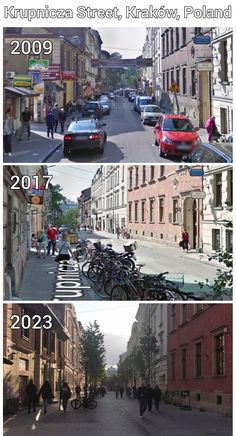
<point x="147" y="352"/>
<point x="93" y="354"/>
<point x="57" y="200"/>
<point x="70" y="218"/>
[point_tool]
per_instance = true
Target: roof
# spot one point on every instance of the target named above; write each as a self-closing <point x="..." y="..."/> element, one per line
<point x="178" y="116"/>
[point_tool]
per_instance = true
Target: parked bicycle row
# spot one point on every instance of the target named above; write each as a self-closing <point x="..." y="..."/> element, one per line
<point x="117" y="276"/>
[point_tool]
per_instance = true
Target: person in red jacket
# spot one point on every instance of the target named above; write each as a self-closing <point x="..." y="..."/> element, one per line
<point x="52" y="236"/>
<point x="185" y="240"/>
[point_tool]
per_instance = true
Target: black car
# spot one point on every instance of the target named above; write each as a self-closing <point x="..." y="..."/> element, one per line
<point x="93" y="109"/>
<point x="206" y="153"/>
<point x="84" y="135"/>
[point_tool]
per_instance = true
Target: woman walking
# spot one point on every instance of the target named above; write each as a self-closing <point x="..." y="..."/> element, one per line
<point x="47" y="395"/>
<point x="185" y="241"/>
<point x="42" y="242"/>
<point x="64" y="250"/>
<point x="65" y="394"/>
<point x="8" y="130"/>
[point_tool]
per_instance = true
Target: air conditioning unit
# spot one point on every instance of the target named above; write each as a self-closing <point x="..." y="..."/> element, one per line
<point x="10" y="74"/>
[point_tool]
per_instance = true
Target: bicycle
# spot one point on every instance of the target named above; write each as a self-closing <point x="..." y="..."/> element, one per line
<point x="87" y="403"/>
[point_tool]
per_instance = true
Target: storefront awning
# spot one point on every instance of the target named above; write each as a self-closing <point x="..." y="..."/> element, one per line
<point x="21" y="92"/>
<point x="53" y="87"/>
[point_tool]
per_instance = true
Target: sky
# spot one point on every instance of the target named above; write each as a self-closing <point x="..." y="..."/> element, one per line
<point x="73" y="179"/>
<point x="115" y="320"/>
<point x="127" y="41"/>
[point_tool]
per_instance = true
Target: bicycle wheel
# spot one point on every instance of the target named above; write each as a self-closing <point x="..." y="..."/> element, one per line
<point x="92" y="404"/>
<point x="110" y="284"/>
<point x="85" y="268"/>
<point x="99" y="285"/>
<point x="76" y="403"/>
<point x="119" y="293"/>
<point x="93" y="273"/>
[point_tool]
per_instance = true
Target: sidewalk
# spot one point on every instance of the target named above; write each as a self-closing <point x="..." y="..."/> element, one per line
<point x="37" y="149"/>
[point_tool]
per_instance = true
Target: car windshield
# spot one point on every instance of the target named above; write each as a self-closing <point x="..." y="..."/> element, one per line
<point x="82" y="125"/>
<point x="91" y="105"/>
<point x="178" y="125"/>
<point x="154" y="109"/>
<point x="144" y="101"/>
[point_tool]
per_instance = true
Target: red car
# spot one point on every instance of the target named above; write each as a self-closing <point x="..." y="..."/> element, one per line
<point x="175" y="135"/>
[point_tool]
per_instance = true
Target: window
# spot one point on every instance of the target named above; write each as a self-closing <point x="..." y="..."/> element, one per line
<point x="220" y="354"/>
<point x="52" y="348"/>
<point x="136" y="211"/>
<point x="130" y="212"/>
<point x="197" y="30"/>
<point x="173" y="365"/>
<point x="162" y="170"/>
<point x="173" y="317"/>
<point x="151" y="210"/>
<point x="130" y="179"/>
<point x="193" y="83"/>
<point x="171" y="76"/>
<point x="164" y="81"/>
<point x="23" y="365"/>
<point x="198" y="359"/>
<point x="229" y="240"/>
<point x="216" y="245"/>
<point x="143" y="211"/>
<point x="176" y="38"/>
<point x="229" y="188"/>
<point x="45" y="338"/>
<point x="25" y="333"/>
<point x="152" y="172"/>
<point x="223" y="61"/>
<point x="218" y="190"/>
<point x="144" y="174"/>
<point x="184" y="312"/>
<point x="167" y="81"/>
<point x="167" y="43"/>
<point x="136" y="176"/>
<point x="175" y="211"/>
<point x="163" y="46"/>
<point x="171" y="40"/>
<point x="184" y="362"/>
<point x="177" y="76"/>
<point x="161" y="210"/>
<point x="184" y="81"/>
<point x="184" y="35"/>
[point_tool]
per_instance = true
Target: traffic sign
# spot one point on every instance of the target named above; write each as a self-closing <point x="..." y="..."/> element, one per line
<point x="174" y="87"/>
<point x="198" y="194"/>
<point x="196" y="172"/>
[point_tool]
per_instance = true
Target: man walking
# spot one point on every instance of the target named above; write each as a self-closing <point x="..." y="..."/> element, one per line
<point x="149" y="397"/>
<point x="55" y="112"/>
<point x="52" y="235"/>
<point x="25" y="123"/>
<point x="62" y="119"/>
<point x="141" y="395"/>
<point x="50" y="121"/>
<point x="65" y="394"/>
<point x="31" y="393"/>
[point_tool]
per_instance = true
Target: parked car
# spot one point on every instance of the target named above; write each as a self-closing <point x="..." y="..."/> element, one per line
<point x="175" y="135"/>
<point x="131" y="96"/>
<point x="84" y="134"/>
<point x="141" y="101"/>
<point x="206" y="153"/>
<point x="111" y="95"/>
<point x="106" y="104"/>
<point x="92" y="108"/>
<point x="150" y="114"/>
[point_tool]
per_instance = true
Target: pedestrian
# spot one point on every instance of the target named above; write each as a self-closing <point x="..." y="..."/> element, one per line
<point x="65" y="394"/>
<point x="125" y="232"/>
<point x="42" y="242"/>
<point x="34" y="242"/>
<point x="129" y="393"/>
<point x="149" y="397"/>
<point x="8" y="131"/>
<point x="141" y="395"/>
<point x="55" y="112"/>
<point x="210" y="127"/>
<point x="62" y="119"/>
<point x="116" y="100"/>
<point x="121" y="392"/>
<point x="134" y="390"/>
<point x="50" y="122"/>
<point x="78" y="390"/>
<point x="117" y="392"/>
<point x="31" y="393"/>
<point x="64" y="251"/>
<point x="52" y="235"/>
<point x="118" y="232"/>
<point x="185" y="240"/>
<point x="47" y="395"/>
<point x="157" y="396"/>
<point x="26" y="117"/>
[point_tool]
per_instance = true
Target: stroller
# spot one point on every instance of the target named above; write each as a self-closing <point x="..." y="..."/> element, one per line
<point x="218" y="136"/>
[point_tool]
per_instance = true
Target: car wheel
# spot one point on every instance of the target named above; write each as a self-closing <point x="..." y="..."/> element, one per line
<point x="161" y="154"/>
<point x="66" y="152"/>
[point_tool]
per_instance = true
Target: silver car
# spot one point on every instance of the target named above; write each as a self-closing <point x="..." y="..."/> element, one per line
<point x="150" y="114"/>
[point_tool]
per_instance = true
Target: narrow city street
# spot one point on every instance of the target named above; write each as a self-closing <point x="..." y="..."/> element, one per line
<point x="127" y="141"/>
<point x="119" y="417"/>
<point x="190" y="267"/>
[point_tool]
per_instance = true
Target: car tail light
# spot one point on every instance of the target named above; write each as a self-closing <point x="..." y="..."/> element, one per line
<point x="67" y="138"/>
<point x="95" y="136"/>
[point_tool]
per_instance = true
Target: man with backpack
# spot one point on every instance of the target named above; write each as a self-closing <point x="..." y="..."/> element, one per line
<point x="50" y="121"/>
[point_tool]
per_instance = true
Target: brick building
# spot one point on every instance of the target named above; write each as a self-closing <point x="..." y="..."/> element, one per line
<point x="160" y="204"/>
<point x="200" y="354"/>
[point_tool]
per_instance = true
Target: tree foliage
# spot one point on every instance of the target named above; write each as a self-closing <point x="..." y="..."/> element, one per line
<point x="70" y="218"/>
<point x="93" y="353"/>
<point x="57" y="200"/>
